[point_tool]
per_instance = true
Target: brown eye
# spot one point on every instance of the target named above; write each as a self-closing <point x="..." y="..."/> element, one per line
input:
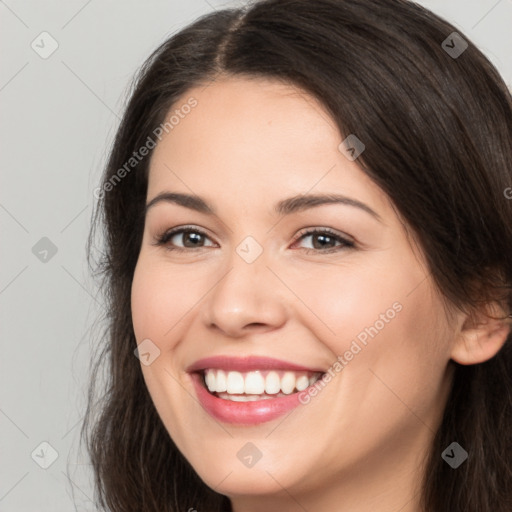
<point x="325" y="240"/>
<point x="190" y="238"/>
<point x="181" y="239"/>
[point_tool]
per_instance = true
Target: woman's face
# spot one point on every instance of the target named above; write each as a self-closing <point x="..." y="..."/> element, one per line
<point x="249" y="281"/>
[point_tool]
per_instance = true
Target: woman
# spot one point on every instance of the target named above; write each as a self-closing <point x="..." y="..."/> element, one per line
<point x="308" y="243"/>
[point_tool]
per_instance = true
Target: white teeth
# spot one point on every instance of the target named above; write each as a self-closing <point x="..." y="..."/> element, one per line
<point x="302" y="383"/>
<point x="242" y="398"/>
<point x="247" y="398"/>
<point x="288" y="383"/>
<point x="235" y="383"/>
<point x="210" y="380"/>
<point x="255" y="385"/>
<point x="221" y="381"/>
<point x="272" y="383"/>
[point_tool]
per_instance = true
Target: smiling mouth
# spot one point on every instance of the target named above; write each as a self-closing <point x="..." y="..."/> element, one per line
<point x="257" y="384"/>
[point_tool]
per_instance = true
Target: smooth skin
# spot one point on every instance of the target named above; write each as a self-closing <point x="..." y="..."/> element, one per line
<point x="358" y="445"/>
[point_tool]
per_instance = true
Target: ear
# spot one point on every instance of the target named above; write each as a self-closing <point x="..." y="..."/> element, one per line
<point x="482" y="335"/>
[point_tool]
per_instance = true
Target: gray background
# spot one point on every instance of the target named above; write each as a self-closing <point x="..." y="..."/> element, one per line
<point x="58" y="116"/>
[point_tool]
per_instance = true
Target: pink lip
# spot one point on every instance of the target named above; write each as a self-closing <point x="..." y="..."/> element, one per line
<point x="244" y="413"/>
<point x="246" y="364"/>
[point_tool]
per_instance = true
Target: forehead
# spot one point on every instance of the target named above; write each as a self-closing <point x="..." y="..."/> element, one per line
<point x="250" y="112"/>
<point x="250" y="135"/>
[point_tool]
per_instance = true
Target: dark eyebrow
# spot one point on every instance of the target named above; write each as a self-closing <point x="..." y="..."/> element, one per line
<point x="284" y="207"/>
<point x="303" y="202"/>
<point x="187" y="200"/>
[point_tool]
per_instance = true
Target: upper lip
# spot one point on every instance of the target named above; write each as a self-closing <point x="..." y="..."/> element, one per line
<point x="247" y="363"/>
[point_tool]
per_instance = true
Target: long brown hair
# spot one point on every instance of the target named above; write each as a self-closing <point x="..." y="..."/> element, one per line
<point x="438" y="134"/>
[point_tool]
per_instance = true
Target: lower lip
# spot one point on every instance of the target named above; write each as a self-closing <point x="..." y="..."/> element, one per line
<point x="243" y="413"/>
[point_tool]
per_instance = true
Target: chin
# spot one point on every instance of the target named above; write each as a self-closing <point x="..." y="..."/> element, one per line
<point x="234" y="478"/>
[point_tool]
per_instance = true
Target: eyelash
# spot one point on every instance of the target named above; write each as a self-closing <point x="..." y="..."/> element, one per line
<point x="164" y="238"/>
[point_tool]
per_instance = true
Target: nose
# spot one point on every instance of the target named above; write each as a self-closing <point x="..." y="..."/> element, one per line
<point x="247" y="297"/>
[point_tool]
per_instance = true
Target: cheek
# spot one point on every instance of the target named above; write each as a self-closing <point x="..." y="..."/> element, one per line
<point x="401" y="356"/>
<point x="384" y="317"/>
<point x="346" y="301"/>
<point x="160" y="299"/>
